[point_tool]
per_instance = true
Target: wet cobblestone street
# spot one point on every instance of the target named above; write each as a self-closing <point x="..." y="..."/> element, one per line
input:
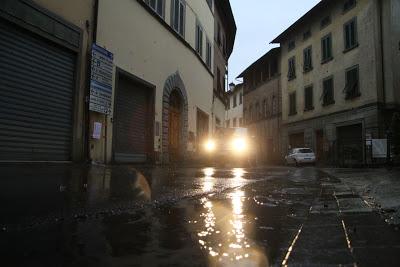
<point x="271" y="216"/>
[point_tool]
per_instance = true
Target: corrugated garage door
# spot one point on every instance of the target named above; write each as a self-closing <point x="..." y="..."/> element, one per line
<point x="132" y="122"/>
<point x="350" y="145"/>
<point x="36" y="92"/>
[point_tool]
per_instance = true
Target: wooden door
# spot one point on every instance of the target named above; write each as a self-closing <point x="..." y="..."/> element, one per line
<point x="174" y="129"/>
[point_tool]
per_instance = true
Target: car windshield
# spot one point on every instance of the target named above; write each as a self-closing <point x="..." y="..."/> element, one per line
<point x="305" y="150"/>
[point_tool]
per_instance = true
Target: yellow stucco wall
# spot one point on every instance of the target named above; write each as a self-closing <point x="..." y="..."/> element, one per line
<point x="145" y="48"/>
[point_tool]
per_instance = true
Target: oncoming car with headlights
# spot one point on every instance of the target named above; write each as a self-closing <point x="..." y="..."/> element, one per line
<point x="229" y="145"/>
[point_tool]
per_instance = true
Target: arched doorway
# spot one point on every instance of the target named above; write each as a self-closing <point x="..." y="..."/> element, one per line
<point x="174" y="129"/>
<point x="175" y="119"/>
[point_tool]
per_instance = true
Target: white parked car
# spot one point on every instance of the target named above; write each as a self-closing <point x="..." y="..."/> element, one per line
<point x="299" y="156"/>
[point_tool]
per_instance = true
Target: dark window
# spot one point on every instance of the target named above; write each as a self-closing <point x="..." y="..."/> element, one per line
<point x="199" y="39"/>
<point x="326" y="44"/>
<point x="157" y="6"/>
<point x="352" y="89"/>
<point x="178" y="16"/>
<point x="208" y="53"/>
<point x="292" y="68"/>
<point x="349" y="4"/>
<point x="240" y="98"/>
<point x="328" y="97"/>
<point x="292" y="104"/>
<point x="308" y="98"/>
<point x="291" y="45"/>
<point x="234" y="122"/>
<point x="325" y="21"/>
<point x="274" y="67"/>
<point x="350" y="34"/>
<point x="307" y="34"/>
<point x="234" y="100"/>
<point x="219" y="85"/>
<point x="240" y="122"/>
<point x="307" y="59"/>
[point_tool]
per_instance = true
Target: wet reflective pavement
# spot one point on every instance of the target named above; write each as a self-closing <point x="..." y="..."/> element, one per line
<point x="118" y="216"/>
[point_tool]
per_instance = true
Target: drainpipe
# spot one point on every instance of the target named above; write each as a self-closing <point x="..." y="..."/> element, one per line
<point x="380" y="4"/>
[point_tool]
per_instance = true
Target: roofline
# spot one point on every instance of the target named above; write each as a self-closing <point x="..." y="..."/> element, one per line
<point x="270" y="53"/>
<point x="224" y="6"/>
<point x="317" y="8"/>
<point x="237" y="88"/>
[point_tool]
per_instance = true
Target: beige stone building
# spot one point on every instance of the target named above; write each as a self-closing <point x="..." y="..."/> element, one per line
<point x="262" y="102"/>
<point x="234" y="108"/>
<point x="339" y="84"/>
<point x="43" y="79"/>
<point x="163" y="79"/>
<point x="224" y="39"/>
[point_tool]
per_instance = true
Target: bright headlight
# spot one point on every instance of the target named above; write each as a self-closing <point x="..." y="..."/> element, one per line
<point x="210" y="145"/>
<point x="239" y="144"/>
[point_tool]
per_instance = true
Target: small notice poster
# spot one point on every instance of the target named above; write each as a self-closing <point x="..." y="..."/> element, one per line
<point x="97" y="130"/>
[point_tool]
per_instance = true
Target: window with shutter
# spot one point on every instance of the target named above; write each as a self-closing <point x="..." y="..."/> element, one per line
<point x="292" y="104"/>
<point x="292" y="69"/>
<point x="326" y="44"/>
<point x="327" y="92"/>
<point x="307" y="66"/>
<point x="199" y="39"/>
<point x="157" y="5"/>
<point x="350" y="35"/>
<point x="208" y="53"/>
<point x="178" y="16"/>
<point x="352" y="89"/>
<point x="308" y="98"/>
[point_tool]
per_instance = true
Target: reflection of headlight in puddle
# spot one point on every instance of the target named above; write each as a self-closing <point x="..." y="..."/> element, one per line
<point x="239" y="144"/>
<point x="210" y="145"/>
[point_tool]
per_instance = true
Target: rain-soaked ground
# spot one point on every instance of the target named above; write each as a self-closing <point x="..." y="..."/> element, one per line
<point x="272" y="216"/>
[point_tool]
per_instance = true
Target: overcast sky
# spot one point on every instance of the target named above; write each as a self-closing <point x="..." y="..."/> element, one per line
<point x="258" y="23"/>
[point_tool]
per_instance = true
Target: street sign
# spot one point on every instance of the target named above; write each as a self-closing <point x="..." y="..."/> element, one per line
<point x="101" y="80"/>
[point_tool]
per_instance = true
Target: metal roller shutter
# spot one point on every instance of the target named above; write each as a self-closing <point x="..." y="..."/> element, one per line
<point x="132" y="122"/>
<point x="36" y="95"/>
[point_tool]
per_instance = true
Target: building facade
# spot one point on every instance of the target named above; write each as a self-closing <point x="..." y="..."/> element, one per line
<point x="163" y="79"/>
<point x="338" y="82"/>
<point x="43" y="83"/>
<point x="263" y="105"/>
<point x="224" y="39"/>
<point x="234" y="107"/>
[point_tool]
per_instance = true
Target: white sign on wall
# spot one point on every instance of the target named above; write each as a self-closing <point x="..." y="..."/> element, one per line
<point x="101" y="80"/>
<point x="379" y="148"/>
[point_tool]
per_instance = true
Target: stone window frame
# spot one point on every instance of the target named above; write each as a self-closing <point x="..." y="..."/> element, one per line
<point x="181" y="18"/>
<point x="326" y="43"/>
<point x="309" y="97"/>
<point x="327" y="101"/>
<point x="352" y="26"/>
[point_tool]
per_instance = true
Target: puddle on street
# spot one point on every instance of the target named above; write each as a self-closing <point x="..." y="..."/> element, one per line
<point x="222" y="228"/>
<point x="122" y="217"/>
